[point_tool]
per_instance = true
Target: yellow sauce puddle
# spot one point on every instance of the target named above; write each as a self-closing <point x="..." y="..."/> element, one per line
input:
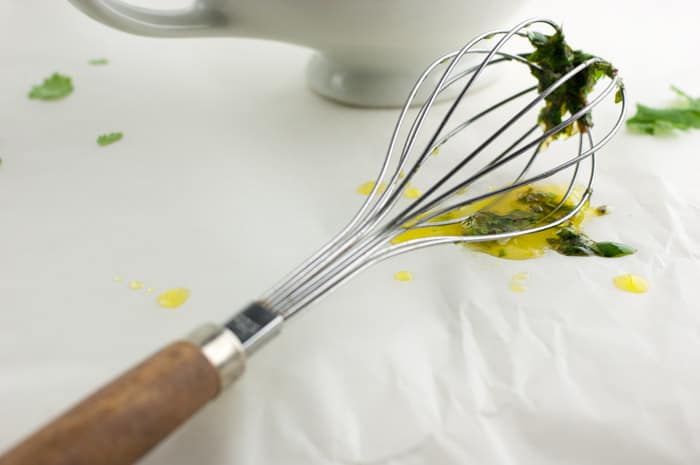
<point x="412" y="193"/>
<point x="366" y="188"/>
<point x="517" y="282"/>
<point x="173" y="298"/>
<point x="631" y="283"/>
<point x="518" y="248"/>
<point x="403" y="276"/>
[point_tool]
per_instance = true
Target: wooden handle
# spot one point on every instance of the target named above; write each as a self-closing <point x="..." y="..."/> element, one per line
<point x="125" y="419"/>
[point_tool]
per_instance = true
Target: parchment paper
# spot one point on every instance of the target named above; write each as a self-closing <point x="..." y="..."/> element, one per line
<point x="230" y="172"/>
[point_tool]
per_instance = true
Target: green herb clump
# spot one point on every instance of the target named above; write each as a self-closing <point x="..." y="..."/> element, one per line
<point x="107" y="139"/>
<point x="554" y="58"/>
<point x="485" y="222"/>
<point x="570" y="241"/>
<point x="684" y="116"/>
<point x="536" y="206"/>
<point x="54" y="87"/>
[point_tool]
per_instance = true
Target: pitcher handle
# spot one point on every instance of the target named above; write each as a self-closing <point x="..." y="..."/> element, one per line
<point x="196" y="20"/>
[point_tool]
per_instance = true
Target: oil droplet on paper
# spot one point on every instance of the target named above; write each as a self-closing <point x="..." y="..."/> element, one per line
<point x="136" y="285"/>
<point x="403" y="276"/>
<point x="412" y="193"/>
<point x="117" y="279"/>
<point x="402" y="174"/>
<point x="631" y="283"/>
<point x="517" y="282"/>
<point x="173" y="298"/>
<point x="366" y="188"/>
<point x="149" y="290"/>
<point x="435" y="151"/>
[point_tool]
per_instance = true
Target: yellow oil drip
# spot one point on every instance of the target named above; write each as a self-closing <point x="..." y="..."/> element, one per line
<point x="517" y="248"/>
<point x="631" y="283"/>
<point x="136" y="285"/>
<point x="403" y="276"/>
<point x="412" y="193"/>
<point x="517" y="282"/>
<point x="402" y="174"/>
<point x="366" y="188"/>
<point x="173" y="298"/>
<point x="149" y="290"/>
<point x="117" y="279"/>
<point x="435" y="151"/>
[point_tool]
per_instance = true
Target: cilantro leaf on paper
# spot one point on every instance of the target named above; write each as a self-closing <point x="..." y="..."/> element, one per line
<point x="54" y="87"/>
<point x="652" y="121"/>
<point x="107" y="139"/>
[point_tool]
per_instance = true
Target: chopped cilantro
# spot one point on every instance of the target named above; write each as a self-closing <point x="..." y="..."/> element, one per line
<point x="98" y="61"/>
<point x="543" y="203"/>
<point x="614" y="249"/>
<point x="569" y="241"/>
<point x="652" y="121"/>
<point x="54" y="87"/>
<point x="107" y="139"/>
<point x="485" y="222"/>
<point x="554" y="58"/>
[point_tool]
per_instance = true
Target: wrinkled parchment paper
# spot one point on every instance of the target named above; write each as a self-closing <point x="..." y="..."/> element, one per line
<point x="230" y="172"/>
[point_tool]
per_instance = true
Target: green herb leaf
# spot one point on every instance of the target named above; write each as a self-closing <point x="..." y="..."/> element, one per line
<point x="652" y="121"/>
<point x="484" y="222"/>
<point x="107" y="139"/>
<point x="98" y="61"/>
<point x="554" y="58"/>
<point x="54" y="87"/>
<point x="614" y="249"/>
<point x="544" y="203"/>
<point x="572" y="242"/>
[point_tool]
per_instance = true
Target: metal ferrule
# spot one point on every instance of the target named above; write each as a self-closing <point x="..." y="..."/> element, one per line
<point x="227" y="347"/>
<point x="255" y="325"/>
<point x="223" y="350"/>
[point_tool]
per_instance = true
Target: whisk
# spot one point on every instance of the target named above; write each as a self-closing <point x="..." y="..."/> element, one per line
<point x="125" y="419"/>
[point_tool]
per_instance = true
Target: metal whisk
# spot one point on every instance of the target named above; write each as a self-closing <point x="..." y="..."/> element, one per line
<point x="368" y="238"/>
<point x="142" y="408"/>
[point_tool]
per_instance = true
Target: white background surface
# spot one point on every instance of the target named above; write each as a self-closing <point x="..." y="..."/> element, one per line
<point x="231" y="172"/>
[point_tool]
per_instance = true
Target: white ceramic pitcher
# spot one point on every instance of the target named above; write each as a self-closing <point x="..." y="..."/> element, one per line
<point x="370" y="52"/>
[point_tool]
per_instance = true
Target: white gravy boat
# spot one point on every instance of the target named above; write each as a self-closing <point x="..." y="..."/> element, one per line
<point x="369" y="52"/>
